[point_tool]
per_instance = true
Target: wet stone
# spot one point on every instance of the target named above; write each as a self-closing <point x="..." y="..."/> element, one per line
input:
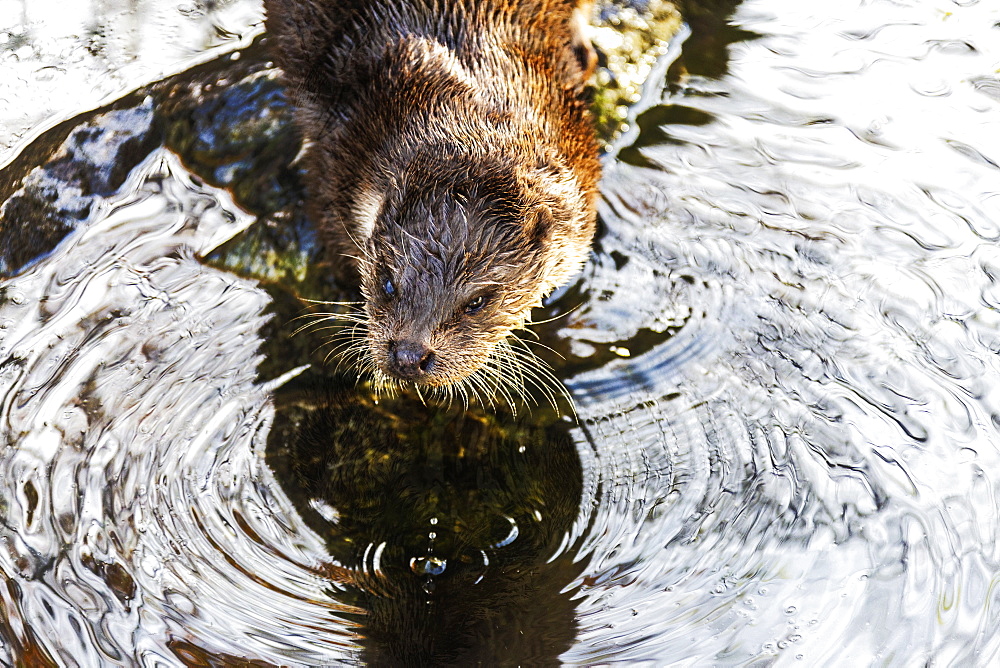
<point x="54" y="198"/>
<point x="238" y="137"/>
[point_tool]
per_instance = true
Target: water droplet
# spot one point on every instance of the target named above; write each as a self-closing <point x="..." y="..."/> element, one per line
<point x="428" y="565"/>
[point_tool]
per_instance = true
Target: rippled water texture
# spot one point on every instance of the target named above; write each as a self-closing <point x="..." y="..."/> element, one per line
<point x="783" y="357"/>
<point x="59" y="57"/>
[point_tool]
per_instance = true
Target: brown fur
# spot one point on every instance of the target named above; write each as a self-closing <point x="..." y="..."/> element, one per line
<point x="449" y="151"/>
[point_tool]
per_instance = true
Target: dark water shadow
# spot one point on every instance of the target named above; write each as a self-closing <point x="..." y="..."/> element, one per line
<point x="450" y="522"/>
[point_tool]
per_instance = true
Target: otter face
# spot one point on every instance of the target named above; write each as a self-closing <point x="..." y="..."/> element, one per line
<point x="443" y="287"/>
<point x="436" y="333"/>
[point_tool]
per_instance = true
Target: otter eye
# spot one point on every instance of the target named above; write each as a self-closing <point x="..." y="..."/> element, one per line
<point x="476" y="304"/>
<point x="388" y="287"/>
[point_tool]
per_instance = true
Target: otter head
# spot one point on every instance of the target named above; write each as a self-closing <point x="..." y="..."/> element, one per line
<point x="448" y="272"/>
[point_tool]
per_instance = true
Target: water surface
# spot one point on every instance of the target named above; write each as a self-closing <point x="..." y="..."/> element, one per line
<point x="783" y="357"/>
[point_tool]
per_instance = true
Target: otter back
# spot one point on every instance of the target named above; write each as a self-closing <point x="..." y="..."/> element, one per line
<point x="450" y="165"/>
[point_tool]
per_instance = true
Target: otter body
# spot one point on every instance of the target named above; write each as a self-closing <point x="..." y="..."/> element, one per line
<point x="451" y="167"/>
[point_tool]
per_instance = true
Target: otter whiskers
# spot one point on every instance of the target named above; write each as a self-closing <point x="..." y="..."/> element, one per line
<point x="512" y="374"/>
<point x="346" y="326"/>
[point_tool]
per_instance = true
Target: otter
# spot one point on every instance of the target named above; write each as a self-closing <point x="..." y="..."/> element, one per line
<point x="451" y="160"/>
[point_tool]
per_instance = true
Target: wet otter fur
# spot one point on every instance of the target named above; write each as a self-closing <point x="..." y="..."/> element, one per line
<point x="450" y="155"/>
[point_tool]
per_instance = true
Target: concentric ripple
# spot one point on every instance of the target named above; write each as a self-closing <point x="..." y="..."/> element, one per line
<point x="783" y="358"/>
<point x="806" y="469"/>
<point x="137" y="511"/>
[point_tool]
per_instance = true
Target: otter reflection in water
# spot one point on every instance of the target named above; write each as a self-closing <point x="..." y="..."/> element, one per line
<point x="447" y="530"/>
<point x="451" y="167"/>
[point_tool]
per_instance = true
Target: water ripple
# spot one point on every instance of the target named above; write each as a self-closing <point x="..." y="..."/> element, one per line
<point x="123" y="379"/>
<point x="785" y="367"/>
<point x="817" y="429"/>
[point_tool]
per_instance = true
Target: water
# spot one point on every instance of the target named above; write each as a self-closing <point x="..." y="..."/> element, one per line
<point x="783" y="357"/>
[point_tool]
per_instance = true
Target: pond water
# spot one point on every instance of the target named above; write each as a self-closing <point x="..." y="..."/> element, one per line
<point x="783" y="358"/>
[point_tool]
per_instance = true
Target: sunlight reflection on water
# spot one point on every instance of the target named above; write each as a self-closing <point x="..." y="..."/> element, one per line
<point x="785" y="365"/>
<point x="832" y="231"/>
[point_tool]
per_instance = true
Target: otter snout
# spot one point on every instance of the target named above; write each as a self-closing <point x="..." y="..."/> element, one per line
<point x="410" y="360"/>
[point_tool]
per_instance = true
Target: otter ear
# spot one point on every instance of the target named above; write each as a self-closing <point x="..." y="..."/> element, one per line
<point x="539" y="223"/>
<point x="582" y="47"/>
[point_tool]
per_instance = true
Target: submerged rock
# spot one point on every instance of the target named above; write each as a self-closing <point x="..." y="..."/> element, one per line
<point x="55" y="197"/>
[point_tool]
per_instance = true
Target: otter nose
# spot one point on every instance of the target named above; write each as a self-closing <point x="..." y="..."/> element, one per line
<point x="410" y="359"/>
